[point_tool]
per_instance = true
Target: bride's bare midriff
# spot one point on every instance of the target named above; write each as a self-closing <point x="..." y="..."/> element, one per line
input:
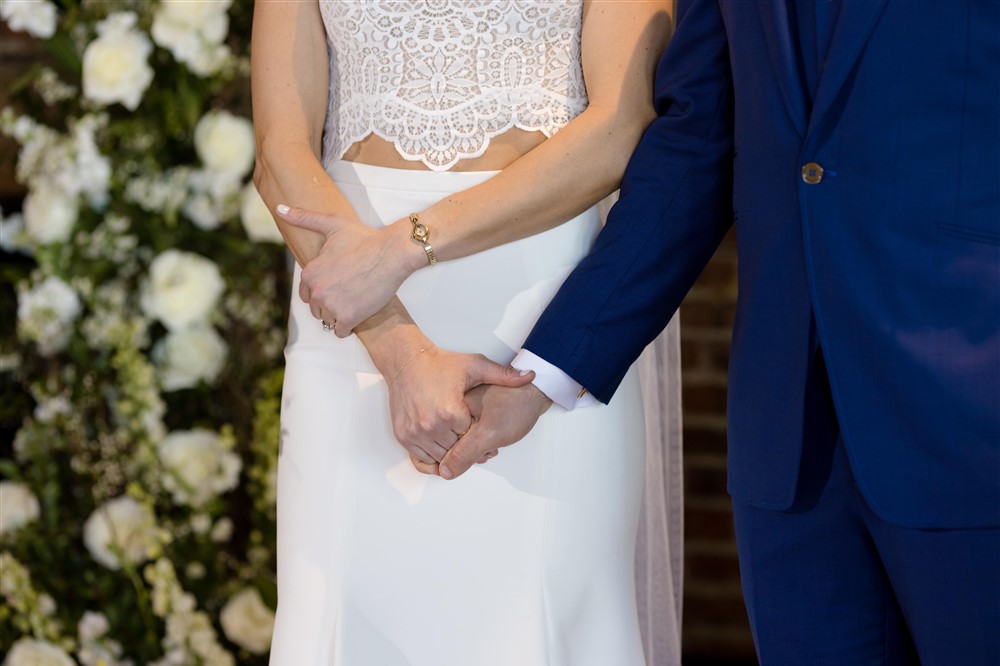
<point x="502" y="150"/>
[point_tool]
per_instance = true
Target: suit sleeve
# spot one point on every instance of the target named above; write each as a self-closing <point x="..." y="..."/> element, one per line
<point x="675" y="208"/>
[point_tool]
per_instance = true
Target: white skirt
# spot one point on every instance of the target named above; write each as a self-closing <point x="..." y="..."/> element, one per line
<point x="527" y="560"/>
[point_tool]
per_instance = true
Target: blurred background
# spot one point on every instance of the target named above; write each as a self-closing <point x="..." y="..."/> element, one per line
<point x="143" y="295"/>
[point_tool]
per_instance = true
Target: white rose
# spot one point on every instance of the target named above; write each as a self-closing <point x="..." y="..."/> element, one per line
<point x="199" y="466"/>
<point x="121" y="527"/>
<point x="35" y="17"/>
<point x="214" y="197"/>
<point x="256" y="217"/>
<point x="247" y="622"/>
<point x="224" y="142"/>
<point x="31" y="652"/>
<point x="18" y="506"/>
<point x="49" y="214"/>
<point x="13" y="236"/>
<point x="183" y="289"/>
<point x="115" y="67"/>
<point x="193" y="32"/>
<point x="92" y="626"/>
<point x="189" y="356"/>
<point x="222" y="531"/>
<point x="45" y="312"/>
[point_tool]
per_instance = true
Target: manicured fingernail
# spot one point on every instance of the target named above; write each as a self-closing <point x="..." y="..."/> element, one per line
<point x="523" y="372"/>
<point x="444" y="472"/>
<point x="283" y="209"/>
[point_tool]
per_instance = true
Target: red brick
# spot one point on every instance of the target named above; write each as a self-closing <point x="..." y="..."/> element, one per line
<point x="702" y="399"/>
<point x="704" y="440"/>
<point x="706" y="482"/>
<point x="709" y="524"/>
<point x="702" y="566"/>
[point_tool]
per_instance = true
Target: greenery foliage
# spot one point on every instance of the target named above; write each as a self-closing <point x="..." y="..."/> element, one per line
<point x="141" y="382"/>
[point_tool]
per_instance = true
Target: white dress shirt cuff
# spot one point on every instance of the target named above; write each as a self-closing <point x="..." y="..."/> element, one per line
<point x="553" y="382"/>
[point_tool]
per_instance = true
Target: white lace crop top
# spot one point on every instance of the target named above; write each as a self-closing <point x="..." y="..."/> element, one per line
<point x="440" y="78"/>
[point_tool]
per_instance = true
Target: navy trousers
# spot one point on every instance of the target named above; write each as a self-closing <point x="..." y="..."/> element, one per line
<point x="828" y="582"/>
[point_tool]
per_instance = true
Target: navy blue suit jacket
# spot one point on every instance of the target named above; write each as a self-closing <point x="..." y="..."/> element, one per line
<point x="890" y="263"/>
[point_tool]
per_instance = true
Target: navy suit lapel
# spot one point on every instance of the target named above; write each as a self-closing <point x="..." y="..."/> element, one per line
<point x="854" y="27"/>
<point x="774" y="19"/>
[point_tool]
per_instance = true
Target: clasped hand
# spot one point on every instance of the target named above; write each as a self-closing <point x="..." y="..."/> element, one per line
<point x="452" y="410"/>
<point x="449" y="410"/>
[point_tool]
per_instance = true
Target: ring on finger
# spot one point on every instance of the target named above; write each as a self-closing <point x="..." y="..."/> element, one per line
<point x="328" y="325"/>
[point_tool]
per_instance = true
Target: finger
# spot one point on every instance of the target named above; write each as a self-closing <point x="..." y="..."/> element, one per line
<point x="309" y="219"/>
<point x="461" y="424"/>
<point x="435" y="452"/>
<point x="316" y="310"/>
<point x="421" y="455"/>
<point x="342" y="329"/>
<point x="465" y="453"/>
<point x="487" y="456"/>
<point x="485" y="371"/>
<point x="304" y="292"/>
<point x="424" y="468"/>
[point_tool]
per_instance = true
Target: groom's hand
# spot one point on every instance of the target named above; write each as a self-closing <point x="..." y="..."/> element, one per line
<point x="501" y="416"/>
<point x="427" y="400"/>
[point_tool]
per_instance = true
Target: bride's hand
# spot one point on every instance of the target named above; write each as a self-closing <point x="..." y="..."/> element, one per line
<point x="427" y="400"/>
<point x="358" y="270"/>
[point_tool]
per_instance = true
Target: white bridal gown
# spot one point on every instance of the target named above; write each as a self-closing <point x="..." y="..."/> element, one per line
<point x="528" y="560"/>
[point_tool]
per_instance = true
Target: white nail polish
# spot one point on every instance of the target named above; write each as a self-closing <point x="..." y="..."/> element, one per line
<point x="283" y="209"/>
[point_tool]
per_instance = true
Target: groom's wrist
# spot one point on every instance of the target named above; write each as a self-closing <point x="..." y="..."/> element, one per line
<point x="553" y="381"/>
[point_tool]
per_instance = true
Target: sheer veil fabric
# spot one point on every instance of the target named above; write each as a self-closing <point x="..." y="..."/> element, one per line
<point x="659" y="547"/>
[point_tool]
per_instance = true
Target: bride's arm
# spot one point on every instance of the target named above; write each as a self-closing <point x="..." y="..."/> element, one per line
<point x="290" y="87"/>
<point x="621" y="43"/>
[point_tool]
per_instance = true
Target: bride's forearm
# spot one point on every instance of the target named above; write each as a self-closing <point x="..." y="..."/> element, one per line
<point x="391" y="337"/>
<point x="582" y="163"/>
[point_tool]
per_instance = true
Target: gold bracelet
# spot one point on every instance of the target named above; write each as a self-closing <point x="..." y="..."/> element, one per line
<point x="422" y="235"/>
<point x="403" y="367"/>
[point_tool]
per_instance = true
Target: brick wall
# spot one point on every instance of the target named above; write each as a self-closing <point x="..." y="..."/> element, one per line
<point x="715" y="622"/>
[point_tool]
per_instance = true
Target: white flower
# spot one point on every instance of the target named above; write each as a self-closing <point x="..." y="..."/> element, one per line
<point x="193" y="31"/>
<point x="90" y="171"/>
<point x="189" y="356"/>
<point x="222" y="531"/>
<point x="92" y="626"/>
<point x="35" y="17"/>
<point x="214" y="197"/>
<point x="31" y="652"/>
<point x="256" y="217"/>
<point x="115" y="67"/>
<point x="49" y="214"/>
<point x="199" y="465"/>
<point x="13" y="236"/>
<point x="224" y="142"/>
<point x="18" y="506"/>
<point x="121" y="528"/>
<point x="247" y="622"/>
<point x="183" y="289"/>
<point x="45" y="312"/>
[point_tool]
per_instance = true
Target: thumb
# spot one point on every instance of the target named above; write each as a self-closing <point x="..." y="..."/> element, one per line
<point x="464" y="454"/>
<point x="307" y="219"/>
<point x="485" y="371"/>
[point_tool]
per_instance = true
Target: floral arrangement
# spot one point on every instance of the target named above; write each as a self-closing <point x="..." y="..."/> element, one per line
<point x="141" y="383"/>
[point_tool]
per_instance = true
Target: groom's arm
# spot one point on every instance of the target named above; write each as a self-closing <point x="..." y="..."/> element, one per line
<point x="674" y="209"/>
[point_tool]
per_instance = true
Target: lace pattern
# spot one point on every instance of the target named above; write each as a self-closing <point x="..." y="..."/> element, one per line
<point x="440" y="78"/>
